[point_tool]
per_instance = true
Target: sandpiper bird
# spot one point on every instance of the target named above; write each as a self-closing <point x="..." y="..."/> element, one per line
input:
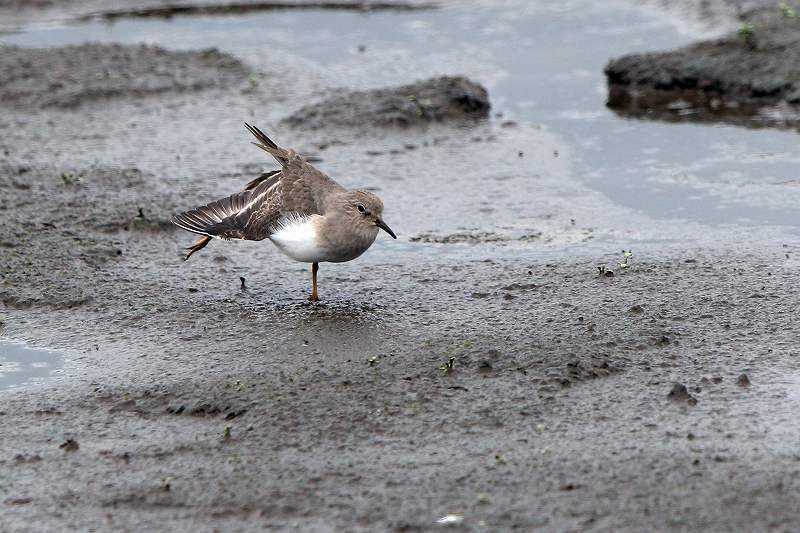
<point x="306" y="214"/>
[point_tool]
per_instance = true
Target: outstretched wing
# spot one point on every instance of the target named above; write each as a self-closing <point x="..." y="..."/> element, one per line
<point x="243" y="215"/>
<point x="297" y="189"/>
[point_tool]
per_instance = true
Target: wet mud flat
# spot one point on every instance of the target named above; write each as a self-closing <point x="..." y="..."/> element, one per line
<point x="517" y="394"/>
<point x="469" y="380"/>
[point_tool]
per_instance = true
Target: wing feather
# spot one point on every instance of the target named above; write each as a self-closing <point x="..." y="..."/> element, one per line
<point x="297" y="189"/>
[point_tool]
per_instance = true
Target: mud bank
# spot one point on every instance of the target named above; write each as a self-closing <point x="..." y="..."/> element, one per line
<point x="423" y="102"/>
<point x="69" y="76"/>
<point x="749" y="77"/>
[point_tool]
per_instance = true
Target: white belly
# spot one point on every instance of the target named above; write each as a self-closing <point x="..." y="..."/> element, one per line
<point x="297" y="238"/>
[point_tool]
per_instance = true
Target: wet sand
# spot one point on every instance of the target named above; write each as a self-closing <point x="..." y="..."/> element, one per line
<point x="502" y="380"/>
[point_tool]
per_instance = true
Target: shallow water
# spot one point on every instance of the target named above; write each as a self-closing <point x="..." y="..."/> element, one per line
<point x="543" y="65"/>
<point x="20" y="365"/>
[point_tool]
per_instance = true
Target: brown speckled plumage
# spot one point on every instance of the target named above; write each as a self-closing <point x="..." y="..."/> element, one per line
<point x="320" y="219"/>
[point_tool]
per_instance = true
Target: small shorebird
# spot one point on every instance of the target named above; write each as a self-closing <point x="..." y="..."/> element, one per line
<point x="306" y="214"/>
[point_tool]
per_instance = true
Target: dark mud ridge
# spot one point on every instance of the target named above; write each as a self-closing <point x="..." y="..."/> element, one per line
<point x="750" y="77"/>
<point x="433" y="100"/>
<point x="69" y="76"/>
<point x="240" y="8"/>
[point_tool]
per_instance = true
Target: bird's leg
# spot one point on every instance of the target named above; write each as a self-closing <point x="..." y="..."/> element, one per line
<point x="314" y="268"/>
<point x="196" y="247"/>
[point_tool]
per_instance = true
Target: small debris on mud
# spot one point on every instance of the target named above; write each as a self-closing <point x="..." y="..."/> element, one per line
<point x="18" y="501"/>
<point x="450" y="520"/>
<point x="663" y="340"/>
<point x="603" y="272"/>
<point x="69" y="445"/>
<point x="447" y="366"/>
<point x="743" y="381"/>
<point x="22" y="458"/>
<point x="433" y="100"/>
<point x="680" y="394"/>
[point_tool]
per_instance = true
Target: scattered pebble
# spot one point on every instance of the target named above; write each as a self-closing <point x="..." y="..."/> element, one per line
<point x="69" y="445"/>
<point x="484" y="499"/>
<point x="680" y="393"/>
<point x="450" y="519"/>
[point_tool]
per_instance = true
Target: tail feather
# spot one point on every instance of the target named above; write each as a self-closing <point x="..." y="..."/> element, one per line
<point x="266" y="144"/>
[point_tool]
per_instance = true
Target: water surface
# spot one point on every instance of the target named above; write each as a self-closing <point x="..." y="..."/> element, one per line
<point x="21" y="365"/>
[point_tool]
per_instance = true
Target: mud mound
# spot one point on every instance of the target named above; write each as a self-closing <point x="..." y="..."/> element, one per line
<point x="725" y="79"/>
<point x="433" y="100"/>
<point x="70" y="76"/>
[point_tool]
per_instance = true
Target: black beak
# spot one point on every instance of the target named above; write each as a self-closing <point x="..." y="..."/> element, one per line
<point x="381" y="224"/>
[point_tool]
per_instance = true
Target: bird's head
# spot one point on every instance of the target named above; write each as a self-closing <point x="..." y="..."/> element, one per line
<point x="366" y="210"/>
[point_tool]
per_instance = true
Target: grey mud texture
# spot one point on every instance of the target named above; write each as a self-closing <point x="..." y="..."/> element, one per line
<point x="72" y="75"/>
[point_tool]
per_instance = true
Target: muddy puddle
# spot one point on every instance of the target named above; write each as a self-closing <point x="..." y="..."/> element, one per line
<point x="543" y="66"/>
<point x="21" y="365"/>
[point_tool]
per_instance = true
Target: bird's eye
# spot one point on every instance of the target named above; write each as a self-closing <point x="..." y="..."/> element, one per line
<point x="361" y="208"/>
